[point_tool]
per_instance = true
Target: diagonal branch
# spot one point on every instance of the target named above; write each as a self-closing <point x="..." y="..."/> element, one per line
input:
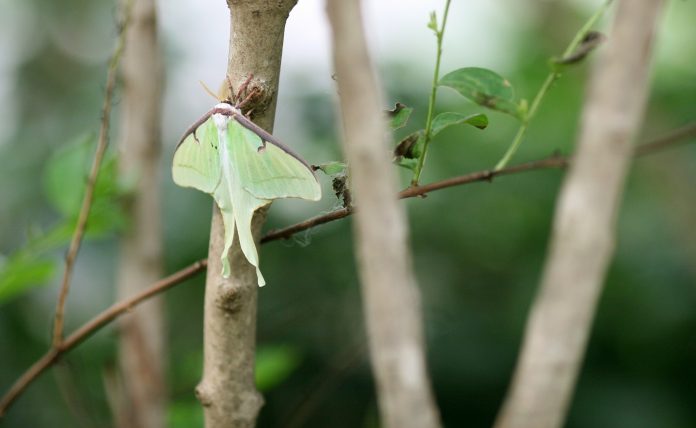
<point x="227" y="390"/>
<point x="92" y="326"/>
<point x="102" y="144"/>
<point x="141" y="391"/>
<point x="673" y="138"/>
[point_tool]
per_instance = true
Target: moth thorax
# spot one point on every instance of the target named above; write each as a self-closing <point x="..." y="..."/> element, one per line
<point x="221" y="115"/>
<point x="221" y="121"/>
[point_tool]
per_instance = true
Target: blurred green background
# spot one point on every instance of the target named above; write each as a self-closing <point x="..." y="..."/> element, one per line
<point x="478" y="249"/>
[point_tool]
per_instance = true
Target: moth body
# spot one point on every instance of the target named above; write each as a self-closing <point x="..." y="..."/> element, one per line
<point x="225" y="155"/>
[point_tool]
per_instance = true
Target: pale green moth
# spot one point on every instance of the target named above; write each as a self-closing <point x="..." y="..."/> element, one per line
<point x="225" y="155"/>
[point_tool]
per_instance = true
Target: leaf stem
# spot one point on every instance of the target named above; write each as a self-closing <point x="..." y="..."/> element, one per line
<point x="433" y="96"/>
<point x="552" y="76"/>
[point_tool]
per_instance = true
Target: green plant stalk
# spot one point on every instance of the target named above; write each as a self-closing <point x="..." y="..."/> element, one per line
<point x="552" y="76"/>
<point x="433" y="96"/>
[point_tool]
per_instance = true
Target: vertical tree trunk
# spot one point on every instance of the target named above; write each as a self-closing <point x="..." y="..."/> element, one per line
<point x="142" y="352"/>
<point x="583" y="232"/>
<point x="391" y="296"/>
<point x="227" y="390"/>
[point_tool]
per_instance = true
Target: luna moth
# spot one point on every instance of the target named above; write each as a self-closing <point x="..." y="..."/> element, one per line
<point x="225" y="155"/>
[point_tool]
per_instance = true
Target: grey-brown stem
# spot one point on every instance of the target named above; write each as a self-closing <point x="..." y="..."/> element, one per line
<point x="142" y="355"/>
<point x="390" y="293"/>
<point x="582" y="241"/>
<point x="227" y="390"/>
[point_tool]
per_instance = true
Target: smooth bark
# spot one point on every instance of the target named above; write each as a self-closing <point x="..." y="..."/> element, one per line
<point x="583" y="235"/>
<point x="227" y="390"/>
<point x="390" y="294"/>
<point x="142" y="352"/>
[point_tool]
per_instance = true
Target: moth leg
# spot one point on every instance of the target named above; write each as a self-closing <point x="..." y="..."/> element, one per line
<point x="248" y="98"/>
<point x="243" y="87"/>
<point x="230" y="86"/>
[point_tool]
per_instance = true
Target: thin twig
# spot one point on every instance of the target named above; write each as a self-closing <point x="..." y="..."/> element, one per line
<point x="427" y="136"/>
<point x="89" y="328"/>
<point x="102" y="144"/>
<point x="553" y="162"/>
<point x="553" y="75"/>
<point x="287" y="232"/>
<point x="677" y="136"/>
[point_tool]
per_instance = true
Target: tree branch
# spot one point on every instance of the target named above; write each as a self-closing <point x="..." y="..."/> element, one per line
<point x="227" y="389"/>
<point x="673" y="138"/>
<point x="142" y="356"/>
<point x="102" y="144"/>
<point x="89" y="328"/>
<point x="582" y="241"/>
<point x="390" y="294"/>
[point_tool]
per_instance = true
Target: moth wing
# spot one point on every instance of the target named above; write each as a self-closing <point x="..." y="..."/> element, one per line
<point x="269" y="173"/>
<point x="197" y="161"/>
<point x="245" y="204"/>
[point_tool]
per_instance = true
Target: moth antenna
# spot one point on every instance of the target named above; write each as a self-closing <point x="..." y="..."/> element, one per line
<point x="209" y="92"/>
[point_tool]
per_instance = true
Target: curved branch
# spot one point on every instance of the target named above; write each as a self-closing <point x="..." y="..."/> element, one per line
<point x="142" y="393"/>
<point x="92" y="326"/>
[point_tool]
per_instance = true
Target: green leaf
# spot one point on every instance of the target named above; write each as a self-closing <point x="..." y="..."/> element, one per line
<point x="407" y="163"/>
<point x="399" y="115"/>
<point x="432" y="24"/>
<point x="484" y="87"/>
<point x="21" y="273"/>
<point x="447" y="119"/>
<point x="410" y="147"/>
<point x="409" y="150"/>
<point x="65" y="176"/>
<point x="25" y="269"/>
<point x="105" y="217"/>
<point x="331" y="168"/>
<point x="65" y="181"/>
<point x="274" y="364"/>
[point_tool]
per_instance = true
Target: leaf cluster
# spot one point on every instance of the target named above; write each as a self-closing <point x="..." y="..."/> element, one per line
<point x="64" y="180"/>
